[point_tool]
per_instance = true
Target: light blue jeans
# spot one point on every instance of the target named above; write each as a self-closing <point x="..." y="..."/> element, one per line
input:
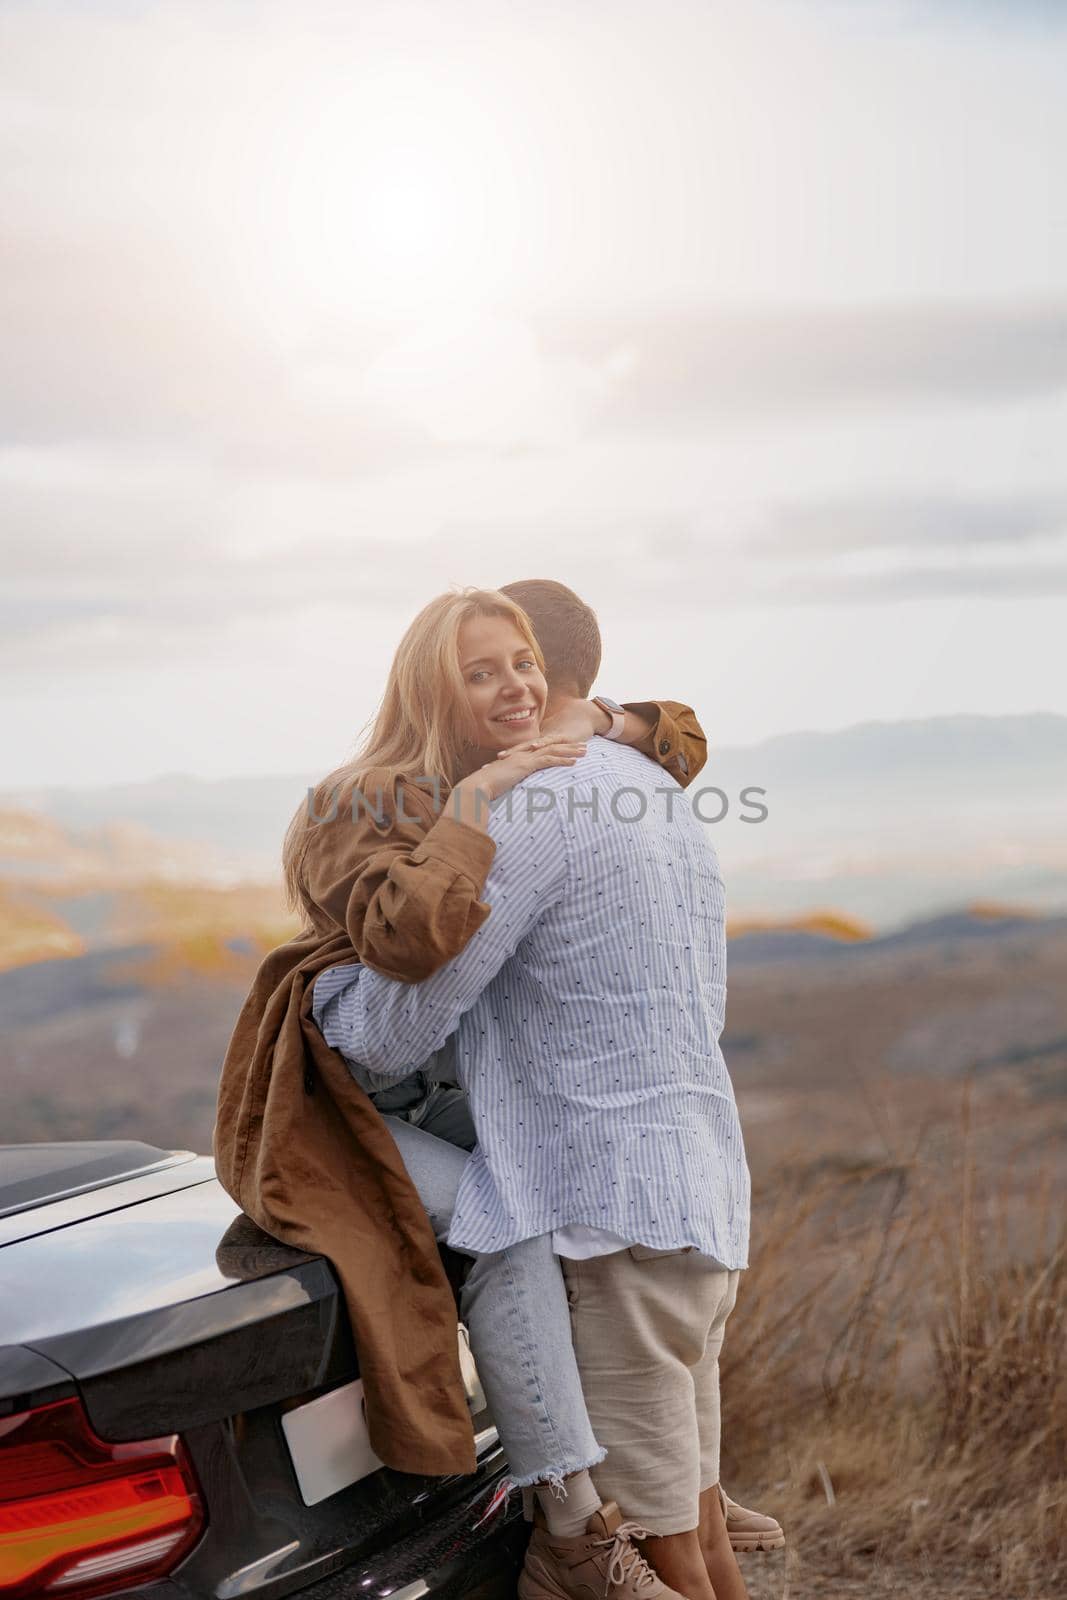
<point x="515" y="1306"/>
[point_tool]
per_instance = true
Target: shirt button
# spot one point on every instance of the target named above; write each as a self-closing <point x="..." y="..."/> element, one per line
<point x="664" y="746"/>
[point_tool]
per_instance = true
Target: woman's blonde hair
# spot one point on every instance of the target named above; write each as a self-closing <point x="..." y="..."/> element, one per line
<point x="423" y="728"/>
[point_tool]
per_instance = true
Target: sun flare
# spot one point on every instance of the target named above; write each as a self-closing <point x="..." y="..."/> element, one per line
<point x="397" y="197"/>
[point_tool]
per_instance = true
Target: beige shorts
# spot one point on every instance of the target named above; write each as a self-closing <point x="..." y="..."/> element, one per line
<point x="648" y="1327"/>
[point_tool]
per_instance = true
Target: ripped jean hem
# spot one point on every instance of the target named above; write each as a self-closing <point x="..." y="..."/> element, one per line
<point x="556" y="1475"/>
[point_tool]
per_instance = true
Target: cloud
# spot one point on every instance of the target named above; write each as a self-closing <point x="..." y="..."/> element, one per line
<point x="484" y="380"/>
<point x="683" y="368"/>
<point x="999" y="14"/>
<point x="163" y="379"/>
<point x="1030" y="580"/>
<point x="109" y="340"/>
<point x="154" y="288"/>
<point x="860" y="522"/>
<point x="190" y="442"/>
<point x="81" y="586"/>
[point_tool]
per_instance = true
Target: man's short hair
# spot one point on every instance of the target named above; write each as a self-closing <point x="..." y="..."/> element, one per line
<point x="566" y="630"/>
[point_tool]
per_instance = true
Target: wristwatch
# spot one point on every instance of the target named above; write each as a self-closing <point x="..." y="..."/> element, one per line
<point x="615" y="712"/>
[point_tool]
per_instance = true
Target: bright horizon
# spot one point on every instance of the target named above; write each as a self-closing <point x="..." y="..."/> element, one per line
<point x="749" y="321"/>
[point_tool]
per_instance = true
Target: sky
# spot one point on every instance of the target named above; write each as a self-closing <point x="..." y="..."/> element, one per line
<point x="748" y="320"/>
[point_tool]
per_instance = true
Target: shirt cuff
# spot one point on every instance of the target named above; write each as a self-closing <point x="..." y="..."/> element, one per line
<point x="330" y="983"/>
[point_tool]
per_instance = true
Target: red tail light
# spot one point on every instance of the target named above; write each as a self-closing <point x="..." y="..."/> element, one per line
<point x="81" y="1517"/>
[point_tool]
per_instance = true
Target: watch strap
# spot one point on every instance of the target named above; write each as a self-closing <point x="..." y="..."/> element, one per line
<point x="615" y="712"/>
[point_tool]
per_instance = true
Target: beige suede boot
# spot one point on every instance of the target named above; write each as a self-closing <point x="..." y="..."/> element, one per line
<point x="603" y="1563"/>
<point x="750" y="1530"/>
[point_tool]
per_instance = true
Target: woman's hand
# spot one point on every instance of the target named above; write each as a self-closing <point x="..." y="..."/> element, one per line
<point x="509" y="768"/>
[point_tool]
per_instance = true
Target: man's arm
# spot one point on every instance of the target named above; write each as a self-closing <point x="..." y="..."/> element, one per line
<point x="390" y="1026"/>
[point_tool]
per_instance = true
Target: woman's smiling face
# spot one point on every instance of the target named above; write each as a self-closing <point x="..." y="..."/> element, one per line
<point x="506" y="689"/>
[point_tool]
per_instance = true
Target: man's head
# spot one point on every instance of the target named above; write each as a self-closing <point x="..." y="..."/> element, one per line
<point x="566" y="630"/>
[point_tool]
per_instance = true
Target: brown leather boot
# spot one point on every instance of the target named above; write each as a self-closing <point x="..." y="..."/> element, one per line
<point x="603" y="1563"/>
<point x="750" y="1530"/>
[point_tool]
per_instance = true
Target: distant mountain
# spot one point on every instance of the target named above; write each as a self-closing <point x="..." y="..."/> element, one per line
<point x="889" y="822"/>
<point x="760" y="945"/>
<point x="994" y="751"/>
<point x="42" y="846"/>
<point x="883" y="821"/>
<point x="236" y="824"/>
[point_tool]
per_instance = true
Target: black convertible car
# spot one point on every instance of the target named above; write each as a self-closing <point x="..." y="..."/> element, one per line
<point x="181" y="1410"/>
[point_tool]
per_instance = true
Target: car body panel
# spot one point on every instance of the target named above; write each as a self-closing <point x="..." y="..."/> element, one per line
<point x="174" y="1312"/>
<point x="30" y="1379"/>
<point x="163" y="1250"/>
<point x="166" y="1310"/>
<point x="383" y="1533"/>
<point x="30" y="1221"/>
<point x="44" y="1174"/>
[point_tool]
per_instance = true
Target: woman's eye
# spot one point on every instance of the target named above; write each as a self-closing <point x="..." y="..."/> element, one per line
<point x="527" y="663"/>
<point x="481" y="673"/>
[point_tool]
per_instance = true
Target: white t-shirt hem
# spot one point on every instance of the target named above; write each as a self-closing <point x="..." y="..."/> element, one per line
<point x="580" y="1242"/>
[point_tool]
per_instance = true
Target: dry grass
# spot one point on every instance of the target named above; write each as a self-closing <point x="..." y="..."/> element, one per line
<point x="895" y="1386"/>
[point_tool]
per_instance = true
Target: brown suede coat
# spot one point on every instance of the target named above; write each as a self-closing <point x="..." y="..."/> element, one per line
<point x="300" y="1146"/>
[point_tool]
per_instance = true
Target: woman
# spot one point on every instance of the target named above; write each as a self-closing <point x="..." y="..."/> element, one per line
<point x="392" y="877"/>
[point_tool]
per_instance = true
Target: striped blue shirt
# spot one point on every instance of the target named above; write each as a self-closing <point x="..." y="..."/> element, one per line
<point x="587" y="1012"/>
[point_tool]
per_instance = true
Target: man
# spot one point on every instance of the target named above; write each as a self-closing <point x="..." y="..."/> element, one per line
<point x="570" y="641"/>
<point x="587" y="1012"/>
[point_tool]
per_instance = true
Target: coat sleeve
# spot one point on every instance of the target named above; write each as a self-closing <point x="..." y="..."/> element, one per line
<point x="404" y="886"/>
<point x="388" y="1026"/>
<point x="676" y="741"/>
